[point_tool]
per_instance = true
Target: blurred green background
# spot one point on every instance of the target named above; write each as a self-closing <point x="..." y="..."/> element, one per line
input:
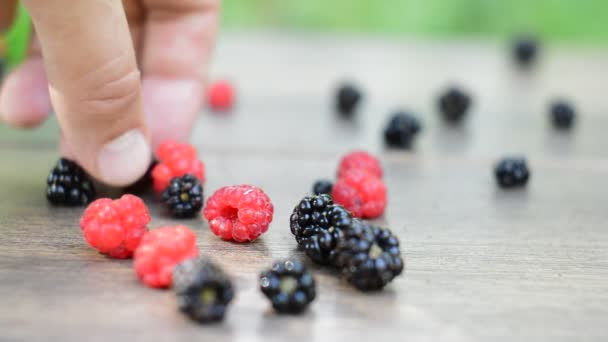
<point x="550" y="19"/>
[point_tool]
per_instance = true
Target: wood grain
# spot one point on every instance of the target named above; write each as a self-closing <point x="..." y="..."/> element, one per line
<point x="481" y="264"/>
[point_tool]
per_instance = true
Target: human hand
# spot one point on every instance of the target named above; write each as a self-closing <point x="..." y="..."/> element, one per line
<point x="85" y="59"/>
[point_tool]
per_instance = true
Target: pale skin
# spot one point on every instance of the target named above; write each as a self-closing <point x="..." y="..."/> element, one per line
<point x="120" y="76"/>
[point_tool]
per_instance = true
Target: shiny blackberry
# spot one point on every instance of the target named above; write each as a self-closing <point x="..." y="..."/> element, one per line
<point x="69" y="185"/>
<point x="347" y="98"/>
<point x="525" y="50"/>
<point x="203" y="290"/>
<point x="512" y="172"/>
<point x="289" y="286"/>
<point x="454" y="104"/>
<point x="369" y="256"/>
<point x="401" y="130"/>
<point x="562" y="114"/>
<point x="184" y="196"/>
<point x="322" y="187"/>
<point x="316" y="223"/>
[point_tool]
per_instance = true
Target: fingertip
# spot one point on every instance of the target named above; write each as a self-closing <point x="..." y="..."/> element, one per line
<point x="171" y="108"/>
<point x="24" y="99"/>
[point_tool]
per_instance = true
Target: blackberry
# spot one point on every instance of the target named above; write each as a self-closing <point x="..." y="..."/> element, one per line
<point x="69" y="185"/>
<point x="401" y="129"/>
<point x="562" y="115"/>
<point x="454" y="104"/>
<point x="347" y="99"/>
<point x="525" y="50"/>
<point x="369" y="256"/>
<point x="203" y="290"/>
<point x="184" y="196"/>
<point x="512" y="172"/>
<point x="317" y="223"/>
<point x="289" y="286"/>
<point x="322" y="187"/>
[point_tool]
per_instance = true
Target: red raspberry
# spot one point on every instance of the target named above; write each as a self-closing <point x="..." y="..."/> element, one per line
<point x="361" y="193"/>
<point x="360" y="160"/>
<point x="160" y="250"/>
<point x="115" y="227"/>
<point x="175" y="160"/>
<point x="221" y="96"/>
<point x="241" y="212"/>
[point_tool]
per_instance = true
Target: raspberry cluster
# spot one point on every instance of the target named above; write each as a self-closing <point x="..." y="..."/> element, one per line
<point x="115" y="227"/>
<point x="359" y="187"/>
<point x="220" y="96"/>
<point x="175" y="160"/>
<point x="241" y="212"/>
<point x="160" y="250"/>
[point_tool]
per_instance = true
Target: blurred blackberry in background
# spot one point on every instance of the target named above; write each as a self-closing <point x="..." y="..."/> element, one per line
<point x="401" y="129"/>
<point x="317" y="222"/>
<point x="454" y="104"/>
<point x="525" y="50"/>
<point x="347" y="99"/>
<point x="289" y="286"/>
<point x="69" y="185"/>
<point x="562" y="114"/>
<point x="512" y="172"/>
<point x="322" y="187"/>
<point x="203" y="290"/>
<point x="369" y="256"/>
<point x="184" y="196"/>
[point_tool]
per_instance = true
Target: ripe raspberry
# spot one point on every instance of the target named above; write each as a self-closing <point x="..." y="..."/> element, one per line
<point x="160" y="250"/>
<point x="176" y="160"/>
<point x="221" y="96"/>
<point x="241" y="212"/>
<point x="115" y="227"/>
<point x="361" y="193"/>
<point x="360" y="160"/>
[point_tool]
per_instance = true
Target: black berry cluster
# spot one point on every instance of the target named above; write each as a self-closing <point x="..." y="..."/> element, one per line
<point x="454" y="104"/>
<point x="289" y="286"/>
<point x="347" y="99"/>
<point x="525" y="50"/>
<point x="401" y="130"/>
<point x="562" y="115"/>
<point x="69" y="185"/>
<point x="512" y="172"/>
<point x="184" y="196"/>
<point x="322" y="187"/>
<point x="203" y="290"/>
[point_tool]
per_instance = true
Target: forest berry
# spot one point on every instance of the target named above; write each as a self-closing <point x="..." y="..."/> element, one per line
<point x="401" y="130"/>
<point x="69" y="185"/>
<point x="160" y="250"/>
<point x="360" y="193"/>
<point x="221" y="96"/>
<point x="347" y="98"/>
<point x="241" y="213"/>
<point x="289" y="286"/>
<point x="203" y="290"/>
<point x="369" y="256"/>
<point x="454" y="104"/>
<point x="525" y="50"/>
<point x="316" y="222"/>
<point x="115" y="227"/>
<point x="562" y="115"/>
<point x="175" y="160"/>
<point x="512" y="172"/>
<point x="322" y="186"/>
<point x="360" y="160"/>
<point x="184" y="196"/>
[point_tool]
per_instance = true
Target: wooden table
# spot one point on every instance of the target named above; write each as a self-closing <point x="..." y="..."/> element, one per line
<point x="481" y="264"/>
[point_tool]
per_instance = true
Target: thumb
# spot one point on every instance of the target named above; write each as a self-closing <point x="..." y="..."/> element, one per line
<point x="94" y="85"/>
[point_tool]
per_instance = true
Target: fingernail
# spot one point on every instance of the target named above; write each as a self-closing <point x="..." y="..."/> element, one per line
<point x="125" y="159"/>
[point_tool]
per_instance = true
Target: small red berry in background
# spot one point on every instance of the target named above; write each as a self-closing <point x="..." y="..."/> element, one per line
<point x="361" y="193"/>
<point x="360" y="160"/>
<point x="160" y="250"/>
<point x="241" y="213"/>
<point x="220" y="96"/>
<point x="115" y="227"/>
<point x="175" y="160"/>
